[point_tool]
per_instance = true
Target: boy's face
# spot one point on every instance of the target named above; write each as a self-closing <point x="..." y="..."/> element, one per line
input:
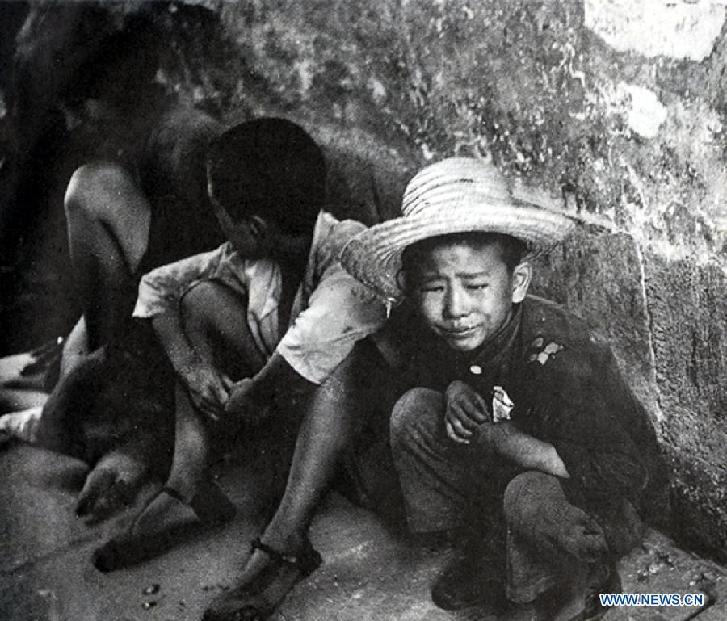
<point x="464" y="291"/>
<point x="257" y="237"/>
<point x="252" y="237"/>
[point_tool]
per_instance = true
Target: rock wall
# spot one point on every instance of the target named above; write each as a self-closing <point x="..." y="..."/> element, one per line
<point x="615" y="106"/>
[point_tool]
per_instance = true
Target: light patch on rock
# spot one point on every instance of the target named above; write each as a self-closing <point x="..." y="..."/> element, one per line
<point x="360" y="551"/>
<point x="377" y="90"/>
<point x="672" y="28"/>
<point x="645" y="113"/>
<point x="640" y="107"/>
<point x="305" y="74"/>
<point x="694" y="132"/>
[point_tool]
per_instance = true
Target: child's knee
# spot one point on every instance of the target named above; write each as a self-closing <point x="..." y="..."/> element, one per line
<point x="195" y="305"/>
<point x="204" y="306"/>
<point x="417" y="413"/>
<point x="525" y="494"/>
<point x="87" y="187"/>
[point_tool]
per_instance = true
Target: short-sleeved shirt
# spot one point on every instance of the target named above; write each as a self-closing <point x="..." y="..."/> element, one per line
<point x="566" y="389"/>
<point x="331" y="310"/>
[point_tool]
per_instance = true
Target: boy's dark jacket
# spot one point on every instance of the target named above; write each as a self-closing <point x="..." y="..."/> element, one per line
<point x="567" y="390"/>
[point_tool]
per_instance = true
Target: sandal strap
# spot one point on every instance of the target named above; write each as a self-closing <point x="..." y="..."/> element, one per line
<point x="174" y="494"/>
<point x="306" y="562"/>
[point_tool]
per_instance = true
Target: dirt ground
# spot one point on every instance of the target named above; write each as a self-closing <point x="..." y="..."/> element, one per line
<point x="368" y="571"/>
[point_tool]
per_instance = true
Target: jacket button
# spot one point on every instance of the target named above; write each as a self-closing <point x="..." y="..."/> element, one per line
<point x="476" y="369"/>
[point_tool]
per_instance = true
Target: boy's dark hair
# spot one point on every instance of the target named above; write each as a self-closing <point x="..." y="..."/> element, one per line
<point x="271" y="168"/>
<point x="512" y="250"/>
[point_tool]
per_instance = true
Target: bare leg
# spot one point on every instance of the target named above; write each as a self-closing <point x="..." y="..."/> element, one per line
<point x="64" y="427"/>
<point x="329" y="426"/>
<point x="187" y="483"/>
<point x="191" y="447"/>
<point x="108" y="230"/>
<point x="326" y="430"/>
<point x="75" y="348"/>
<point x="214" y="322"/>
<point x="213" y="318"/>
<point x="60" y="427"/>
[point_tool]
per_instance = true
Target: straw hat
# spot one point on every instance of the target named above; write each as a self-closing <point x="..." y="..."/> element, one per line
<point x="456" y="195"/>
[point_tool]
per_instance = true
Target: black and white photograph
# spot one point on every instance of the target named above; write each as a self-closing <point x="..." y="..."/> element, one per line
<point x="361" y="310"/>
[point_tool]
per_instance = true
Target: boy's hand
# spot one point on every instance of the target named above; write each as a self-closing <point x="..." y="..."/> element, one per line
<point x="466" y="412"/>
<point x="244" y="402"/>
<point x="208" y="388"/>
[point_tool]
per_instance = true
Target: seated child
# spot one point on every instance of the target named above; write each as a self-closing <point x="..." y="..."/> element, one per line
<point x="270" y="310"/>
<point x="517" y="432"/>
<point x="110" y="388"/>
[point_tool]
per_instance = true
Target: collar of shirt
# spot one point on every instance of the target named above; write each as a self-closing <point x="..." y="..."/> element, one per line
<point x="265" y="279"/>
<point x="428" y="361"/>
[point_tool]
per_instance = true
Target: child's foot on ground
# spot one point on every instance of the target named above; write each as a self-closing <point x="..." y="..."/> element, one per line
<point x="269" y="575"/>
<point x="149" y="533"/>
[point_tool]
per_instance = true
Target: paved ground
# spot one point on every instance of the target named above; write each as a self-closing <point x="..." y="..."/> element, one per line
<point x="368" y="573"/>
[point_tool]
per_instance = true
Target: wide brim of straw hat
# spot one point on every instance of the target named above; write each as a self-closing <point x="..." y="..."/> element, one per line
<point x="374" y="256"/>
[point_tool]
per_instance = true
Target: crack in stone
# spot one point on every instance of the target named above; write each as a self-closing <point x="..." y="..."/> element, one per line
<point x="649" y="330"/>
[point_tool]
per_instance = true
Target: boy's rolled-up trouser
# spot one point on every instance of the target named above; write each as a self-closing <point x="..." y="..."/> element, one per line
<point x="449" y="486"/>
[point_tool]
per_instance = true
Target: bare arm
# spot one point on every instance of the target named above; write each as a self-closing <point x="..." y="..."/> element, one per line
<point x="278" y="373"/>
<point x="208" y="388"/>
<point x="254" y="394"/>
<point x="168" y="329"/>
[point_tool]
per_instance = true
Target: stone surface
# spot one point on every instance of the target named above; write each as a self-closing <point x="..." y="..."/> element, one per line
<point x="680" y="29"/>
<point x="658" y="566"/>
<point x="715" y="613"/>
<point x="369" y="571"/>
<point x="690" y="347"/>
<point x="597" y="277"/>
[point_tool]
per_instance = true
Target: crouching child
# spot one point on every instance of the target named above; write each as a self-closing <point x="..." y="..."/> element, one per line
<point x="517" y="433"/>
